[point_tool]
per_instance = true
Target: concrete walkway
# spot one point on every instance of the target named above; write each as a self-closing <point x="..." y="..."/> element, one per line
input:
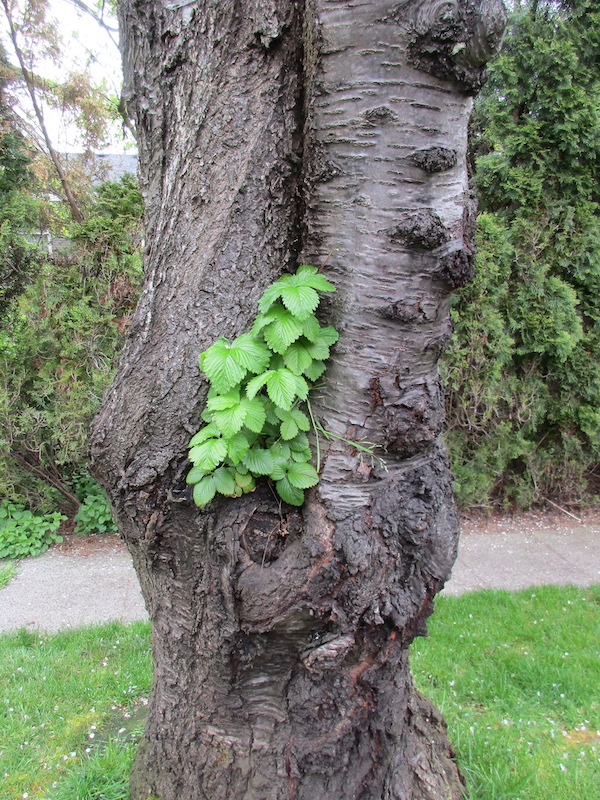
<point x="85" y="581"/>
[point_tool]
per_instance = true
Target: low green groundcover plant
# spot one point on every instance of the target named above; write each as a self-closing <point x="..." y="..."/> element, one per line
<point x="516" y="675"/>
<point x="23" y="533"/>
<point x="94" y="514"/>
<point x="7" y="573"/>
<point x="256" y="425"/>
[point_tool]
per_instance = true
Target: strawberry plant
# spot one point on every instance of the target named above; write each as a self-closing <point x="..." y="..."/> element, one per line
<point x="255" y="419"/>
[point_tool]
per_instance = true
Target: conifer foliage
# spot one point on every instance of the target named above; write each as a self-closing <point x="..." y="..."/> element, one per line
<point x="523" y="373"/>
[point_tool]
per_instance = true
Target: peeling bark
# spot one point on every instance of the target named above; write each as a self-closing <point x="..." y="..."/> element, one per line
<point x="269" y="136"/>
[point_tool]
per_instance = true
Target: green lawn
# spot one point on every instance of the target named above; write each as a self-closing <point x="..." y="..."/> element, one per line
<point x="516" y="674"/>
<point x="68" y="701"/>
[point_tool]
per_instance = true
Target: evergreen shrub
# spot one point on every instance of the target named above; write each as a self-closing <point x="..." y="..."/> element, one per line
<point x="523" y="372"/>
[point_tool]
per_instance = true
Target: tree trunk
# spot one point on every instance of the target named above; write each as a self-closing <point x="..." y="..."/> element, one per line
<point x="273" y="133"/>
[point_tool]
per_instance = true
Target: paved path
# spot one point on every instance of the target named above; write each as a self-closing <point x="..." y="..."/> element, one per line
<point x="91" y="580"/>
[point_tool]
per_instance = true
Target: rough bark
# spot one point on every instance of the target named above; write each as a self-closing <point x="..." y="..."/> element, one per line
<point x="273" y="133"/>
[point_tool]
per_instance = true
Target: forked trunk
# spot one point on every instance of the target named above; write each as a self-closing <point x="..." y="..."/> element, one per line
<point x="273" y="133"/>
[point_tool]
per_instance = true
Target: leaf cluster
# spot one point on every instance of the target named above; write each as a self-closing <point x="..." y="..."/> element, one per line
<point x="23" y="533"/>
<point x="255" y="422"/>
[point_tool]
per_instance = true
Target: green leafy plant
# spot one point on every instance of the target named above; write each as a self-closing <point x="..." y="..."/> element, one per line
<point x="522" y="373"/>
<point x="94" y="514"/>
<point x="7" y="573"/>
<point x="59" y="343"/>
<point x="23" y="533"/>
<point x="256" y="425"/>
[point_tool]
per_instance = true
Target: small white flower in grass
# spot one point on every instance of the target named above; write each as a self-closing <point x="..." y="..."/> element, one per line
<point x="562" y="767"/>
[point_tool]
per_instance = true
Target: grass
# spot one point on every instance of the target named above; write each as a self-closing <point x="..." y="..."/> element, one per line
<point x="516" y="674"/>
<point x="66" y="703"/>
<point x="7" y="573"/>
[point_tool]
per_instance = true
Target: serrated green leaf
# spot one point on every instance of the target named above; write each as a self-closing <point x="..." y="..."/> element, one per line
<point x="271" y="410"/>
<point x="269" y="296"/>
<point x="250" y="353"/>
<point x="318" y="282"/>
<point x="280" y="450"/>
<point x="195" y="474"/>
<point x="282" y="388"/>
<point x="302" y="455"/>
<point x="314" y="372"/>
<point x="288" y="429"/>
<point x="283" y="329"/>
<point x="204" y="491"/>
<point x="220" y="366"/>
<point x="300" y="418"/>
<point x="237" y="447"/>
<point x="299" y="442"/>
<point x="306" y="269"/>
<point x="256" y="384"/>
<point x="311" y="328"/>
<point x="302" y="475"/>
<point x="302" y="387"/>
<point x="223" y="480"/>
<point x="245" y="482"/>
<point x="255" y="415"/>
<point x="258" y="461"/>
<point x="300" y="300"/>
<point x="297" y="358"/>
<point x="329" y="335"/>
<point x="259" y="323"/>
<point x="208" y="454"/>
<point x="220" y="402"/>
<point x="279" y="469"/>
<point x="318" y="350"/>
<point x="288" y="493"/>
<point x="231" y="420"/>
<point x="207" y="432"/>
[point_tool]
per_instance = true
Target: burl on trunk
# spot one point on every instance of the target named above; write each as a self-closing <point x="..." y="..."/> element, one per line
<point x="274" y="133"/>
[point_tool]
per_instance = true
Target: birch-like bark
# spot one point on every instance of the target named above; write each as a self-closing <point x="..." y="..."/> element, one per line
<point x="274" y="133"/>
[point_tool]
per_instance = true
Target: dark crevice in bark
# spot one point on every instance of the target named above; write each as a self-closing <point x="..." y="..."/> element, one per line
<point x="435" y="159"/>
<point x="422" y="229"/>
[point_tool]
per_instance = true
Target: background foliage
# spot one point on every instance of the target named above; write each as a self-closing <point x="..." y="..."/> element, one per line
<point x="58" y="347"/>
<point x="523" y="372"/>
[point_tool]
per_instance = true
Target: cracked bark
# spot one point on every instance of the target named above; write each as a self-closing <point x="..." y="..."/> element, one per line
<point x="269" y="135"/>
